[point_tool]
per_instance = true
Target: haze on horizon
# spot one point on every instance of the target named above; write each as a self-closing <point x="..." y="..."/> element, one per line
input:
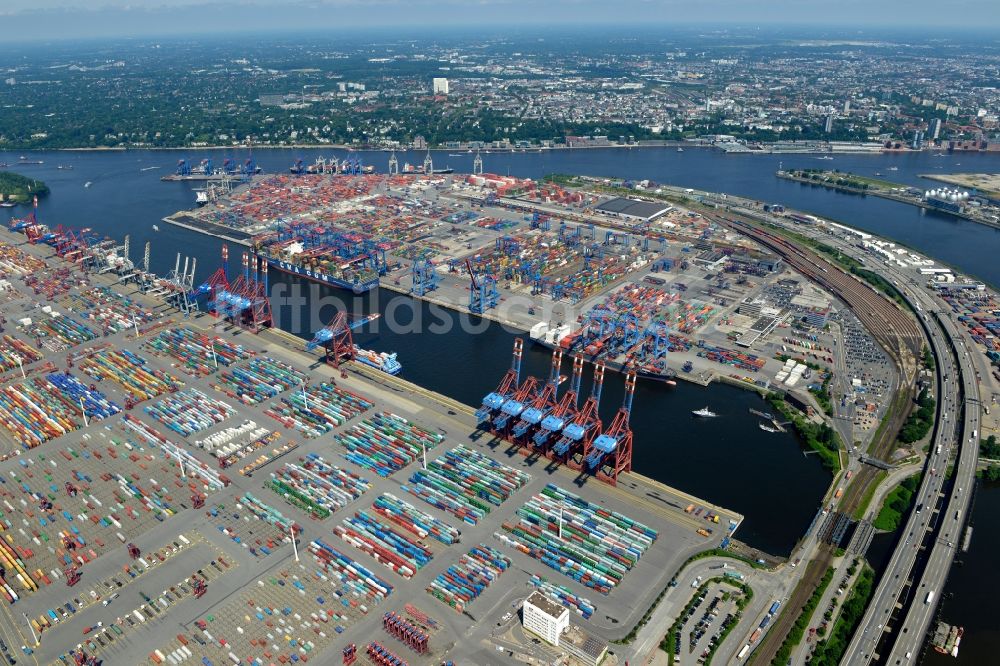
<point x="32" y="20"/>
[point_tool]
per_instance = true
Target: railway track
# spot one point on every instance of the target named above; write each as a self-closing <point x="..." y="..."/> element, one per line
<point x="898" y="334"/>
<point x="815" y="569"/>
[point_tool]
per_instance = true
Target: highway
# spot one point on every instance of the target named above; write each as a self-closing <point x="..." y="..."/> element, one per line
<point x="933" y="531"/>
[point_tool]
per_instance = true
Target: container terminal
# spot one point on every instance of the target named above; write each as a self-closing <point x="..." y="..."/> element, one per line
<point x="635" y="284"/>
<point x="177" y="489"/>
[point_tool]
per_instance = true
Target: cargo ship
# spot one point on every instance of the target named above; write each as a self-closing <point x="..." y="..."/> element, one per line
<point x="291" y="257"/>
<point x="384" y="361"/>
<point x="409" y="168"/>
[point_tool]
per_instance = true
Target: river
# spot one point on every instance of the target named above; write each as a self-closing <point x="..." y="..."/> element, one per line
<point x="727" y="460"/>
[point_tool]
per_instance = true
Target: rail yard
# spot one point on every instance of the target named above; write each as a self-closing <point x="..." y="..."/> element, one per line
<point x="156" y="467"/>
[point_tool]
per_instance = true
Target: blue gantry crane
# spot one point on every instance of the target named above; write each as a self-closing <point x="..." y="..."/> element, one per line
<point x="483" y="293"/>
<point x="424" y="278"/>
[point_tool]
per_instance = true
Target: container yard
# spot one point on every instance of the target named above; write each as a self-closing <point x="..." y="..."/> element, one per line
<point x="178" y="496"/>
<point x="635" y="283"/>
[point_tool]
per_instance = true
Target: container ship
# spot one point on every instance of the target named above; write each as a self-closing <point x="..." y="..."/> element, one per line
<point x="409" y="168"/>
<point x="384" y="361"/>
<point x="318" y="265"/>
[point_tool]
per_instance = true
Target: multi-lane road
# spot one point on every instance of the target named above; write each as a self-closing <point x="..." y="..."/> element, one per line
<point x="932" y="533"/>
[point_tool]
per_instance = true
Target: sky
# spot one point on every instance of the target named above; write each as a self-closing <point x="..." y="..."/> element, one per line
<point x="58" y="19"/>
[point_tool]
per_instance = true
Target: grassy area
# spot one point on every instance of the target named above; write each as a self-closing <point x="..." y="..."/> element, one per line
<point x="829" y="651"/>
<point x="896" y="503"/>
<point x="820" y="437"/>
<point x="866" y="500"/>
<point x="928" y="359"/>
<point x="989" y="448"/>
<point x="802" y="621"/>
<point x="564" y="179"/>
<point x="919" y="423"/>
<point x="845" y="179"/>
<point x="16" y="187"/>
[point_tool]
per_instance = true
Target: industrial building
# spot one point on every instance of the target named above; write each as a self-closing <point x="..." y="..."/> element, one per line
<point x="544" y="618"/>
<point x="633" y="209"/>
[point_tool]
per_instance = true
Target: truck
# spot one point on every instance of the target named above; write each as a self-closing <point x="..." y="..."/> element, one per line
<point x="774" y="607"/>
<point x="735" y="575"/>
<point x="743" y="652"/>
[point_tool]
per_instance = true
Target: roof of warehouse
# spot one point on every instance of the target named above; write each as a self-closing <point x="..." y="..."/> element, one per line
<point x="634" y="208"/>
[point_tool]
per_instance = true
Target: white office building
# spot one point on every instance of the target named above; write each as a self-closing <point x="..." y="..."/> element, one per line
<point x="544" y="618"/>
<point x="440" y="86"/>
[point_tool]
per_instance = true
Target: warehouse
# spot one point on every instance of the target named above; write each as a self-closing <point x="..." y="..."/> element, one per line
<point x="633" y="209"/>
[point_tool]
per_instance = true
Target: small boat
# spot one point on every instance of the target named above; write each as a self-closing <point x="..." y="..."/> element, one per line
<point x="61" y="166"/>
<point x="455" y="155"/>
<point x="878" y="173"/>
<point x="705" y="412"/>
<point x="155" y="228"/>
<point x="670" y="382"/>
<point x="763" y="415"/>
<point x="148" y="168"/>
<point x="7" y="204"/>
<point x="87" y="184"/>
<point x="679" y="149"/>
<point x="893" y="168"/>
<point x="767" y="428"/>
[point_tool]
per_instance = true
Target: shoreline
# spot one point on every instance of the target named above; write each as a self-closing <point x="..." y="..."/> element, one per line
<point x="784" y="175"/>
<point x="667" y="143"/>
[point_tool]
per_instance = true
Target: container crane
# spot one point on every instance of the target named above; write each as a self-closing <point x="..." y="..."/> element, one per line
<point x="508" y="384"/>
<point x="544" y="402"/>
<point x="217" y="283"/>
<point x="424" y="278"/>
<point x="336" y="338"/>
<point x="585" y="426"/>
<point x="613" y="448"/>
<point x="512" y="408"/>
<point x="482" y="292"/>
<point x="565" y="410"/>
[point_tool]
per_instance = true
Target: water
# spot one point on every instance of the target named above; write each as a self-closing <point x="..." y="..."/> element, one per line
<point x="726" y="460"/>
<point x="970" y="600"/>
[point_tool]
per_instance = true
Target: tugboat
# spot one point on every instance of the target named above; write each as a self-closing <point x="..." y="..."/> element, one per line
<point x="704" y="412"/>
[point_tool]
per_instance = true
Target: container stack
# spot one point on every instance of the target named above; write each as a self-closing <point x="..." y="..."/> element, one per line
<point x="37" y="410"/>
<point x="189" y="411"/>
<point x="597" y="547"/>
<point x="466" y="483"/>
<point x="316" y="487"/>
<point x="197" y="354"/>
<point x="321" y="409"/>
<point x="386" y="443"/>
<point x="564" y="596"/>
<point x="262" y="379"/>
<point x="462" y="583"/>
<point x="58" y="332"/>
<point x="12" y="349"/>
<point x="394" y="550"/>
<point x="232" y="444"/>
<point x="130" y="371"/>
<point x="413" y="520"/>
<point x="352" y="574"/>
<point x="112" y="312"/>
